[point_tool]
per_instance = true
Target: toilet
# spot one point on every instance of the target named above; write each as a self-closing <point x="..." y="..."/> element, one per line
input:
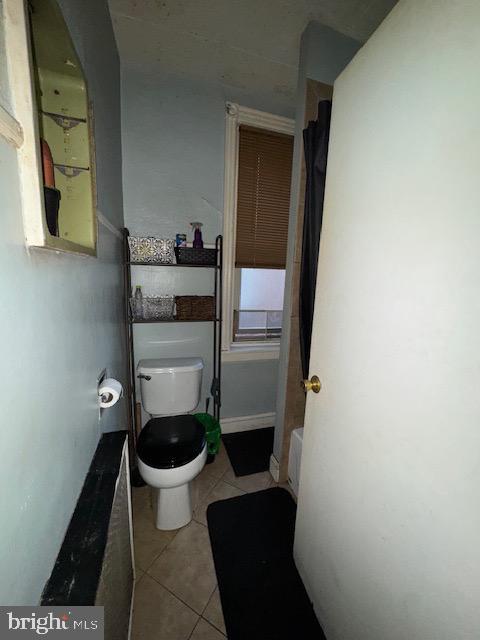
<point x="171" y="447"/>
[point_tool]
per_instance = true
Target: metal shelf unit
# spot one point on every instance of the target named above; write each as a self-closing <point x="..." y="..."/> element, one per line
<point x="216" y="322"/>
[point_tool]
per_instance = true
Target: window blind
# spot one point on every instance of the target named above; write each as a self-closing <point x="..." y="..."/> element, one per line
<point x="263" y="198"/>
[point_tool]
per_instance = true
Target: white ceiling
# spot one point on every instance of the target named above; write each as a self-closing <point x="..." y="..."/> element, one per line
<point x="239" y="43"/>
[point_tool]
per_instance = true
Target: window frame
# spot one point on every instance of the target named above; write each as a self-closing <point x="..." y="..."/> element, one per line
<point x="236" y="115"/>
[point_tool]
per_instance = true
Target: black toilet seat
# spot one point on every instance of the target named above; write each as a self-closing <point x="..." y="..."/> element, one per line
<point x="170" y="442"/>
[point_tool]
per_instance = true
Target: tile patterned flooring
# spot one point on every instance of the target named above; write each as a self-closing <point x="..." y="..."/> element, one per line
<point x="176" y="594"/>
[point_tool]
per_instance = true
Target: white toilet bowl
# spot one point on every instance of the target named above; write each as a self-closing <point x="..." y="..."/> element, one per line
<point x="174" y="504"/>
<point x="171" y="448"/>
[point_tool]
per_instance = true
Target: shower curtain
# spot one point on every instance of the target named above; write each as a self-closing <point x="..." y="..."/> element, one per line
<point x="315" y="140"/>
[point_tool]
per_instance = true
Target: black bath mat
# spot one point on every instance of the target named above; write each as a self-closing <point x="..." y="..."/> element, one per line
<point x="249" y="451"/>
<point x="262" y="594"/>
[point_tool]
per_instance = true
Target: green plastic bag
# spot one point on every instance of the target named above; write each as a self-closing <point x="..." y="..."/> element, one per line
<point x="212" y="431"/>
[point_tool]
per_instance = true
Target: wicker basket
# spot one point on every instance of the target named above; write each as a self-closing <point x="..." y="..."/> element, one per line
<point x="192" y="255"/>
<point x="195" y="307"/>
<point x="158" y="307"/>
<point x="159" y="250"/>
<point x="155" y="308"/>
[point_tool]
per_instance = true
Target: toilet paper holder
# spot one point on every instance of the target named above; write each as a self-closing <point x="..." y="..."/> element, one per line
<point x="105" y="397"/>
<point x="109" y="391"/>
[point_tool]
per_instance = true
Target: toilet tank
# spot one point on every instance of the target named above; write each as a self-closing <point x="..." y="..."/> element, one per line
<point x="170" y="386"/>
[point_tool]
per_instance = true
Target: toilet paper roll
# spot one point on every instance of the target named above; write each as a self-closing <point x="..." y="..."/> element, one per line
<point x="109" y="391"/>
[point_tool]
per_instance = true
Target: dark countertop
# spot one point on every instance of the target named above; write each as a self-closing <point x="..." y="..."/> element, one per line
<point x="76" y="573"/>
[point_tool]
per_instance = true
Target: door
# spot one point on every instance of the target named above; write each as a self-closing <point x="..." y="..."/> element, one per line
<point x="388" y="524"/>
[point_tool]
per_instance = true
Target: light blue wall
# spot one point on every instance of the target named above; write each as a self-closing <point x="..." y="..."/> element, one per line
<point x="173" y="162"/>
<point x="60" y="325"/>
<point x="324" y="53"/>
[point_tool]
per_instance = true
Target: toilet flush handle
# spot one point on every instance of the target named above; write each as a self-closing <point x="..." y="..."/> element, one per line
<point x="140" y="375"/>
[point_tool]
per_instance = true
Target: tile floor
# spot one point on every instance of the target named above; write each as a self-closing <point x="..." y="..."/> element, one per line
<point x="176" y="594"/>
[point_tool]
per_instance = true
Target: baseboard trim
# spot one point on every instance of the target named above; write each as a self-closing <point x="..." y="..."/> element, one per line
<point x="247" y="423"/>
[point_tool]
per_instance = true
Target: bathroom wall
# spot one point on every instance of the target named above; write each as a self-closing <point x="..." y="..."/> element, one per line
<point x="324" y="53"/>
<point x="173" y="150"/>
<point x="60" y="325"/>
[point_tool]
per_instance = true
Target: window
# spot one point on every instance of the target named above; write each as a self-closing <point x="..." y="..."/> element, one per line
<point x="259" y="306"/>
<point x="259" y="151"/>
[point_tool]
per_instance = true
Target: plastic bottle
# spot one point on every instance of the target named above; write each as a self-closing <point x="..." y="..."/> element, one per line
<point x="197" y="236"/>
<point x="138" y="303"/>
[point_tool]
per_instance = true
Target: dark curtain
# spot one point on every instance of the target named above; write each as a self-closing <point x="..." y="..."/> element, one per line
<point x="315" y="141"/>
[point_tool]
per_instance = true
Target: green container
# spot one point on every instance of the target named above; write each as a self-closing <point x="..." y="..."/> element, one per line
<point x="212" y="431"/>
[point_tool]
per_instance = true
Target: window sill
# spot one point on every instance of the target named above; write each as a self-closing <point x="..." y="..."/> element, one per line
<point x="65" y="246"/>
<point x="251" y="352"/>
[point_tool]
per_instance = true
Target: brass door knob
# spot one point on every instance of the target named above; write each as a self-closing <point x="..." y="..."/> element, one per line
<point x="313" y="384"/>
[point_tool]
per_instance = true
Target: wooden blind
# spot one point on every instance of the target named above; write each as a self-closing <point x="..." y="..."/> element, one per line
<point x="263" y="199"/>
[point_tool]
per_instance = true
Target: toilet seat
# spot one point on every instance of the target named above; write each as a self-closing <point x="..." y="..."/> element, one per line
<point x="170" y="442"/>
